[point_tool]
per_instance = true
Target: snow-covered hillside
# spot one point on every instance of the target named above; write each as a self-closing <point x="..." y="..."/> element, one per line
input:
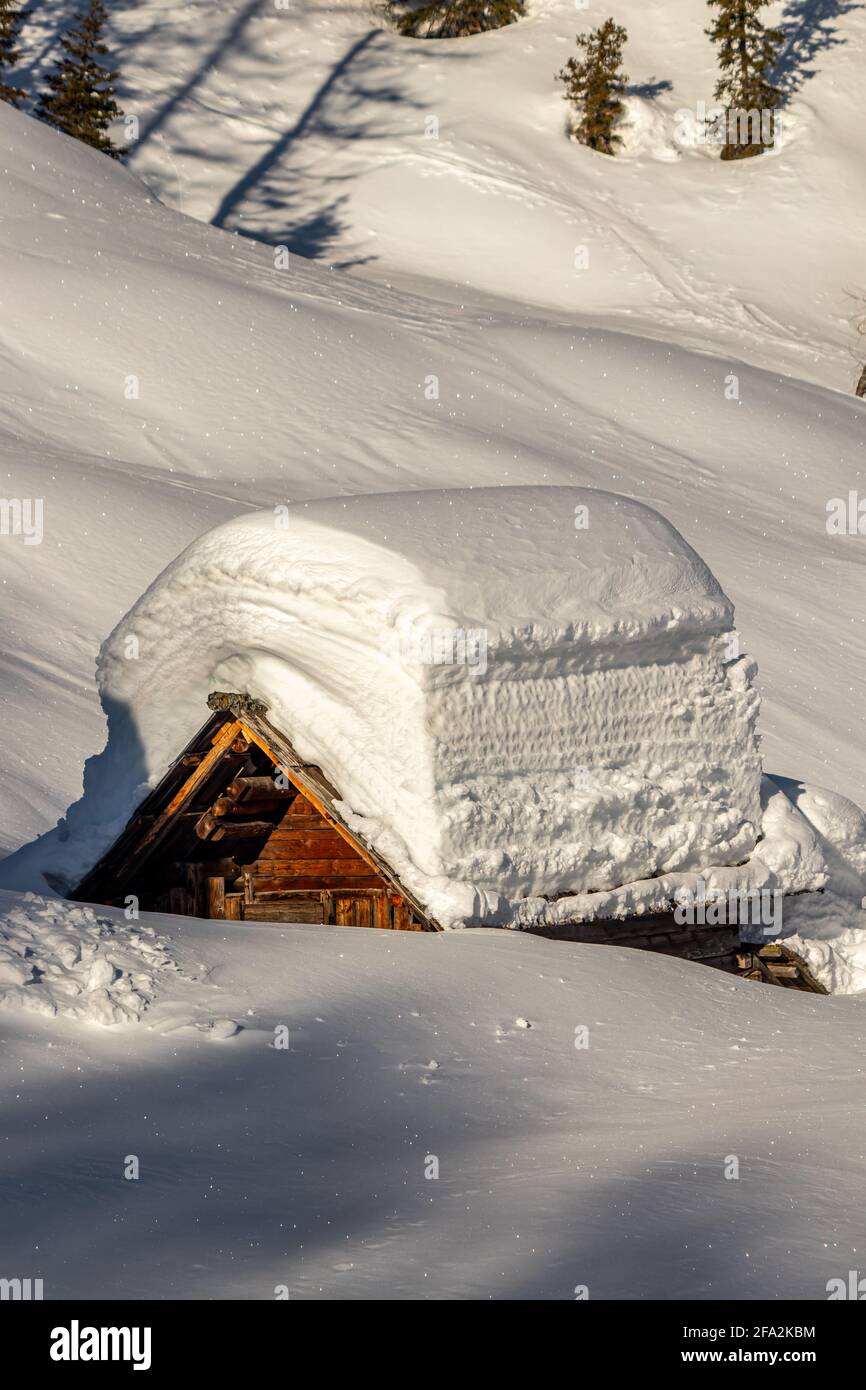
<point x="162" y="376"/>
<point x="311" y="125"/>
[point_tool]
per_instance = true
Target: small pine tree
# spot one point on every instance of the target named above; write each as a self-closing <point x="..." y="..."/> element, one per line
<point x="11" y="19"/>
<point x="451" y="19"/>
<point x="860" y="388"/>
<point x="596" y="85"/>
<point x="747" y="52"/>
<point x="80" y="97"/>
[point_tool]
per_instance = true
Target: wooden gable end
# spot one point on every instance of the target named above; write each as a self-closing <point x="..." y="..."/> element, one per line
<point x="240" y="828"/>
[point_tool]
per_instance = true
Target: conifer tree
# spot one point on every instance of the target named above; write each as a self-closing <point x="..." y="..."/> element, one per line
<point x="451" y="19"/>
<point x="11" y="19"/>
<point x="595" y="84"/>
<point x="860" y="389"/>
<point x="747" y="52"/>
<point x="80" y="97"/>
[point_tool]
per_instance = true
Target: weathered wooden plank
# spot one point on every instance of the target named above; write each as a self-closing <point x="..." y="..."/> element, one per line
<point x="216" y="897"/>
<point x="381" y="911"/>
<point x="252" y="809"/>
<point x="307" y="825"/>
<point x="304" y="825"/>
<point x="306" y="820"/>
<point x="303" y="910"/>
<point x="206" y="825"/>
<point x="317" y="868"/>
<point x="362" y="913"/>
<point x="278" y="887"/>
<point x="240" y="830"/>
<point x="402" y="916"/>
<point x="343" y="911"/>
<point x="211" y="827"/>
<point x="254" y="787"/>
<point x="767" y="972"/>
<point x="234" y="907"/>
<point x="322" y="845"/>
<point x="348" y="888"/>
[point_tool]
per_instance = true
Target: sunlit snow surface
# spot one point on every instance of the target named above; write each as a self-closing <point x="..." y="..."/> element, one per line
<point x="159" y="378"/>
<point x="558" y="1165"/>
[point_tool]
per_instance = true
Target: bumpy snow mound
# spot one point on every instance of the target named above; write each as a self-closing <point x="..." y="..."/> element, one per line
<point x="59" y="958"/>
<point x="519" y="692"/>
<point x="788" y="859"/>
<point x="829" y="932"/>
<point x="840" y="826"/>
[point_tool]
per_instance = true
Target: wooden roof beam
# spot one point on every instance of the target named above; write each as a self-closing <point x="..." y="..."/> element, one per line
<point x="223" y="741"/>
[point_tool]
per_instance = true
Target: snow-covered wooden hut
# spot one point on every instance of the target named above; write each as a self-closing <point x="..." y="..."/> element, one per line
<point x="517" y="706"/>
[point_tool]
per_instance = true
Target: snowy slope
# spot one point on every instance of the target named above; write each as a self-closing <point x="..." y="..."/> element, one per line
<point x="559" y="1165"/>
<point x="311" y="126"/>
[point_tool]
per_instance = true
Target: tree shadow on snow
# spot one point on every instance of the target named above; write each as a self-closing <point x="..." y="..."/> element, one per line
<point x="306" y="1167"/>
<point x="257" y="1167"/>
<point x="231" y="40"/>
<point x="289" y="196"/>
<point x="809" y="29"/>
<point x="290" y="185"/>
<point x="679" y="1230"/>
<point x="651" y="89"/>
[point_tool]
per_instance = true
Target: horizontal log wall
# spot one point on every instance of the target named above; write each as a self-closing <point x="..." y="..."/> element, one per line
<point x="305" y="853"/>
<point x="304" y="872"/>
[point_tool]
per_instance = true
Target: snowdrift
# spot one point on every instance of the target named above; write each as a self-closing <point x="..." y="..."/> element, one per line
<point x="521" y="693"/>
<point x="63" y="959"/>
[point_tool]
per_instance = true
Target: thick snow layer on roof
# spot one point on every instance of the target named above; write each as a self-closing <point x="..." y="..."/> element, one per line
<point x="518" y="692"/>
